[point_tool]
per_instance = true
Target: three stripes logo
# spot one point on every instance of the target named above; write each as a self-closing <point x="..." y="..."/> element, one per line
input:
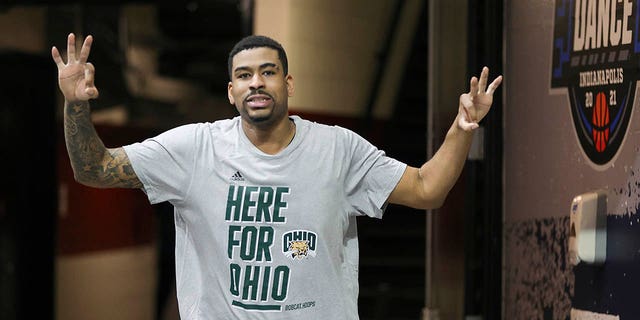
<point x="237" y="176"/>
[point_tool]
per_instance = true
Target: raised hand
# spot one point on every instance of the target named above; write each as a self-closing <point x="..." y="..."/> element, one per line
<point x="476" y="104"/>
<point x="75" y="78"/>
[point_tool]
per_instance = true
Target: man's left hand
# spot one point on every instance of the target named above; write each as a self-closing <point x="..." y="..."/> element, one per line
<point x="476" y="104"/>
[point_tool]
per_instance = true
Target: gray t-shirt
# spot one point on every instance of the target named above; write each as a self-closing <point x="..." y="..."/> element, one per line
<point x="263" y="236"/>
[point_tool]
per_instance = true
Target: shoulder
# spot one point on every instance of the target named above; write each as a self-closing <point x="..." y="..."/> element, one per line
<point x="224" y="125"/>
<point x="321" y="129"/>
<point x="218" y="125"/>
<point x="188" y="137"/>
<point x="339" y="140"/>
<point x="202" y="128"/>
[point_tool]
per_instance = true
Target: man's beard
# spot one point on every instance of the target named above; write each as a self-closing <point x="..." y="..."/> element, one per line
<point x="261" y="118"/>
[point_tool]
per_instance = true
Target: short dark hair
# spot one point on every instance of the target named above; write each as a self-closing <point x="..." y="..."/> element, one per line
<point x="255" y="41"/>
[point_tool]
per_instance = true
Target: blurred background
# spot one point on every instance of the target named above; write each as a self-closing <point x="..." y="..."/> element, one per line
<point x="391" y="70"/>
<point x="72" y="252"/>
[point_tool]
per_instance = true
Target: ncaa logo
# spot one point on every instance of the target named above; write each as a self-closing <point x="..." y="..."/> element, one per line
<point x="596" y="53"/>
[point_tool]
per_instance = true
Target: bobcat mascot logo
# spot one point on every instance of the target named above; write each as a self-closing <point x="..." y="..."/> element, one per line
<point x="298" y="249"/>
<point x="299" y="244"/>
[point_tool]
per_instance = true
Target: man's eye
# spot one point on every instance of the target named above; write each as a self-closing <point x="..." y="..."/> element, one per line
<point x="244" y="76"/>
<point x="268" y="73"/>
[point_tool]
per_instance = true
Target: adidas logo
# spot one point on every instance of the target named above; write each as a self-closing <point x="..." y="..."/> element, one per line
<point x="237" y="176"/>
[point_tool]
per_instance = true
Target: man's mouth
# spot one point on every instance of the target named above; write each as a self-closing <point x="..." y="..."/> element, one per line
<point x="258" y="101"/>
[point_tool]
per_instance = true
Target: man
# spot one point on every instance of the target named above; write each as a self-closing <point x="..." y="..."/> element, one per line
<point x="265" y="203"/>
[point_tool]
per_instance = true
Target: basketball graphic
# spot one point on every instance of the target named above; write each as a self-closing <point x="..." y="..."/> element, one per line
<point x="600" y="121"/>
<point x="599" y="77"/>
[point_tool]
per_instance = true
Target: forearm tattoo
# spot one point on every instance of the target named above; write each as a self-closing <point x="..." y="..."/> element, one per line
<point x="93" y="164"/>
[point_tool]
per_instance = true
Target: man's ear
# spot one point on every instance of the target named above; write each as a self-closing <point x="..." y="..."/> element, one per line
<point x="229" y="95"/>
<point x="290" y="87"/>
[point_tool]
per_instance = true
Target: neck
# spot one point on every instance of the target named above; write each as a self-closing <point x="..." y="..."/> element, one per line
<point x="270" y="139"/>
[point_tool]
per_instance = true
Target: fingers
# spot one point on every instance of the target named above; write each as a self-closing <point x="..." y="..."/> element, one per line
<point x="467" y="126"/>
<point x="57" y="58"/>
<point x="473" y="91"/>
<point x="89" y="76"/>
<point x="84" y="51"/>
<point x="481" y="84"/>
<point x="465" y="100"/>
<point x="71" y="51"/>
<point x="467" y="104"/>
<point x="86" y="48"/>
<point x="465" y="121"/>
<point x="484" y="75"/>
<point x="71" y="48"/>
<point x="494" y="85"/>
<point x="475" y="104"/>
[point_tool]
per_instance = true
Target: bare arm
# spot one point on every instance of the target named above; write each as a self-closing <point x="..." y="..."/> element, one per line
<point x="427" y="187"/>
<point x="92" y="163"/>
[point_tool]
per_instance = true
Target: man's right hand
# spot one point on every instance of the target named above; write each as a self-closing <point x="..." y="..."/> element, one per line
<point x="76" y="77"/>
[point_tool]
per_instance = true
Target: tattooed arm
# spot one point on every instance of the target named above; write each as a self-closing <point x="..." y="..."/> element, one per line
<point x="93" y="164"/>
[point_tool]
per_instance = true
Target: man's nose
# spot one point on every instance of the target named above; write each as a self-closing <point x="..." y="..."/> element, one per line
<point x="256" y="82"/>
